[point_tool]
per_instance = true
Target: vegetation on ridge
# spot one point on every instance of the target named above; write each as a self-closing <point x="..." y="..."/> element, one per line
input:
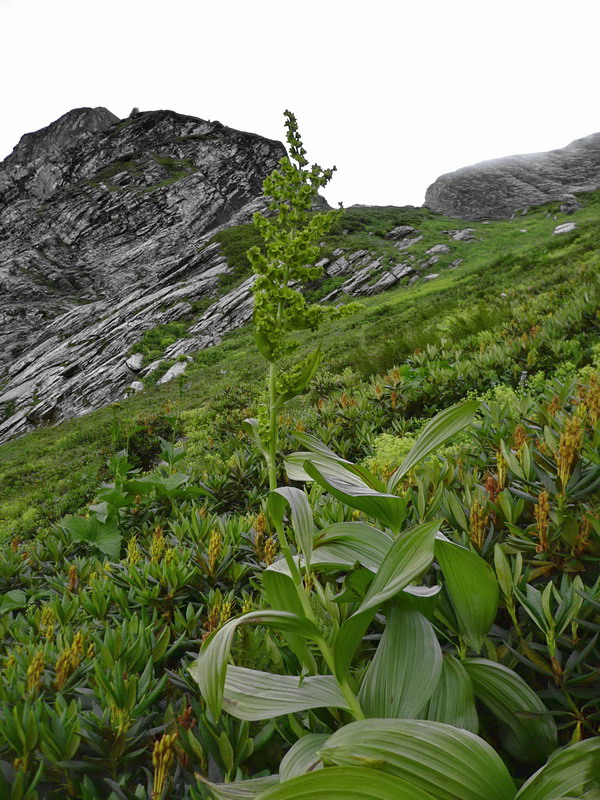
<point x="449" y="590"/>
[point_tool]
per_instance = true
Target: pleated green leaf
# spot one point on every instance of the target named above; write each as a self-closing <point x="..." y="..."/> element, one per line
<point x="529" y="739"/>
<point x="405" y="669"/>
<point x="349" y="542"/>
<point x="210" y="668"/>
<point x="453" y="700"/>
<point x="253" y="695"/>
<point x="281" y="595"/>
<point x="447" y="762"/>
<point x="352" y="490"/>
<point x="408" y="557"/>
<point x="241" y="790"/>
<point x="472" y="587"/>
<point x="346" y="783"/>
<point x="441" y="428"/>
<point x="571" y="772"/>
<point x="303" y="756"/>
<point x="316" y="446"/>
<point x="302" y="517"/>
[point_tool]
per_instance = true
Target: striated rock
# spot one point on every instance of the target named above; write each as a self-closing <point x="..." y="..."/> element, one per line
<point x="462" y="235"/>
<point x="105" y="232"/>
<point x="498" y="188"/>
<point x="400" y="232"/>
<point x="178" y="368"/>
<point x="566" y="227"/>
<point x="438" y="248"/>
<point x="135" y="362"/>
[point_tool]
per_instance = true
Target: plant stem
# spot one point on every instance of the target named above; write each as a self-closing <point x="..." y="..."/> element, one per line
<point x="351" y="698"/>
<point x="272" y="445"/>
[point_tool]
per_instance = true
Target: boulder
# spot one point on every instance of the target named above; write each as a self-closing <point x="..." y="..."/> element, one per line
<point x="497" y="189"/>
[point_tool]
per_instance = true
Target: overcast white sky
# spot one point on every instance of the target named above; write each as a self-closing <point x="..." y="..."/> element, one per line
<point x="393" y="93"/>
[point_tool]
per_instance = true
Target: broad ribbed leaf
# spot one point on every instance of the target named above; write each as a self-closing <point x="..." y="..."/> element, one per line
<point x="338" y="467"/>
<point x="348" y="542"/>
<point x="408" y="557"/>
<point x="448" y="762"/>
<point x="302" y="517"/>
<point x="441" y="428"/>
<point x="571" y="772"/>
<point x="472" y="587"/>
<point x="530" y="739"/>
<point x="315" y="445"/>
<point x="302" y="756"/>
<point x="352" y="490"/>
<point x="405" y="669"/>
<point x="453" y="701"/>
<point x="281" y="594"/>
<point x="346" y="783"/>
<point x="241" y="790"/>
<point x="252" y="695"/>
<point x="210" y="667"/>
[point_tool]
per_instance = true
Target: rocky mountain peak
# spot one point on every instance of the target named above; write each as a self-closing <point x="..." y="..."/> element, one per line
<point x="498" y="188"/>
<point x="105" y="232"/>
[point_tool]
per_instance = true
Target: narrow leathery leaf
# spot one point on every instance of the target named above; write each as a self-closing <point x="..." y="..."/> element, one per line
<point x="302" y="517"/>
<point x="387" y="508"/>
<point x="240" y="790"/>
<point x="530" y="739"/>
<point x="503" y="571"/>
<point x="210" y="668"/>
<point x="441" y="428"/>
<point x="472" y="587"/>
<point x="571" y="772"/>
<point x="453" y="700"/>
<point x="346" y="783"/>
<point x="405" y="669"/>
<point x="408" y="557"/>
<point x="448" y="762"/>
<point x="302" y="756"/>
<point x="253" y="695"/>
<point x="353" y="542"/>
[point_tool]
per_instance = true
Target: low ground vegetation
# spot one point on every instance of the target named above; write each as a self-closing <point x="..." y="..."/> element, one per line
<point x="439" y="496"/>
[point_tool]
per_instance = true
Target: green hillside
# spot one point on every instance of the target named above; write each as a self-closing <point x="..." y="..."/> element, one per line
<point x="132" y="534"/>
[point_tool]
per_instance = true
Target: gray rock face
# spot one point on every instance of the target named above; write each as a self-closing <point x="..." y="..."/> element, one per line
<point x="105" y="230"/>
<point x="496" y="189"/>
<point x="566" y="227"/>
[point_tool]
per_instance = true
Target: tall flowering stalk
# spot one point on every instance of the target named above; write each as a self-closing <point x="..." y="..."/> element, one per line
<point x="291" y="237"/>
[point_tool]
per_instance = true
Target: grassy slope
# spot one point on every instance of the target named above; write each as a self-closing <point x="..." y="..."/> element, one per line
<point x="55" y="470"/>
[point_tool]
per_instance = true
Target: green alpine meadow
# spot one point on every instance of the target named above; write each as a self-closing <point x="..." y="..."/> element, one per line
<point x="351" y="550"/>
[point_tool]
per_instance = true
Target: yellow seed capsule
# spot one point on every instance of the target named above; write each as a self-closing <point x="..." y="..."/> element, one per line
<point x="542" y="517"/>
<point x="569" y="445"/>
<point x="35" y="671"/>
<point x="134" y="555"/>
<point x="270" y="551"/>
<point x="214" y="549"/>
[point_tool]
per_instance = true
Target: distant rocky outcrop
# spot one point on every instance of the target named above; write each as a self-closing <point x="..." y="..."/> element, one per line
<point x="105" y="229"/>
<point x="497" y="189"/>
